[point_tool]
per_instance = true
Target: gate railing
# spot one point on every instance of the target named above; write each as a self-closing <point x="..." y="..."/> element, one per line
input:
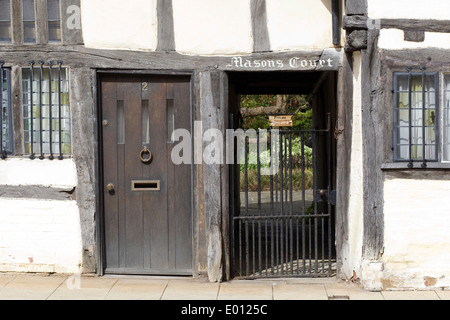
<point x="283" y="227"/>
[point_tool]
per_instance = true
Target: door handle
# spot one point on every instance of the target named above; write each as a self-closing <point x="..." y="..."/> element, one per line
<point x="110" y="187"/>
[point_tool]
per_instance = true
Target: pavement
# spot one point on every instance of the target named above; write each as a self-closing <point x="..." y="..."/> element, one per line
<point x="75" y="287"/>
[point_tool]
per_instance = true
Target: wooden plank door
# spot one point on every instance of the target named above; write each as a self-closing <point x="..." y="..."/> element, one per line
<point x="147" y="198"/>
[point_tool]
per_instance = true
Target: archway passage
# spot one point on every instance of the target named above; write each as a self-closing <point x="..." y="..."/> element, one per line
<point x="283" y="177"/>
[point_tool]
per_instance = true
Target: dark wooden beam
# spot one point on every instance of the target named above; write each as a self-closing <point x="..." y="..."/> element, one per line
<point x="414" y="36"/>
<point x="374" y="143"/>
<point x="80" y="56"/>
<point x="16" y="14"/>
<point x="71" y="32"/>
<point x="343" y="135"/>
<point x="213" y="117"/>
<point x="41" y="22"/>
<point x="355" y="22"/>
<point x="261" y="42"/>
<point x="37" y="192"/>
<point x="356" y="7"/>
<point x="428" y="25"/>
<point x="416" y="24"/>
<point x="166" y="34"/>
<point x="356" y="40"/>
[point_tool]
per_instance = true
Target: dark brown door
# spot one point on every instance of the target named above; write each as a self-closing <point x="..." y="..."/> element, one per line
<point x="147" y="198"/>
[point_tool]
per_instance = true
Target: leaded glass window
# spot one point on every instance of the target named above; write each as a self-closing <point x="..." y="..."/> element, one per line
<point x="416" y="117"/>
<point x="46" y="111"/>
<point x="54" y="20"/>
<point x="29" y="21"/>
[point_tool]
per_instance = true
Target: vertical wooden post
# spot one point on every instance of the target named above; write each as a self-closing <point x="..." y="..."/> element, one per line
<point x="215" y="175"/>
<point x="71" y="34"/>
<point x="166" y="37"/>
<point x="41" y="22"/>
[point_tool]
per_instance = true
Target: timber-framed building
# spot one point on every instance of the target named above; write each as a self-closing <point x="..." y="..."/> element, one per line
<point x="92" y="92"/>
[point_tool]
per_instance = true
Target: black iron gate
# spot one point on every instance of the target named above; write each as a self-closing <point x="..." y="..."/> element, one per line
<point x="284" y="225"/>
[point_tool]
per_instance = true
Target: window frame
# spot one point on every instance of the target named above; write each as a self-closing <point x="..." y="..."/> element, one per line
<point x="10" y="129"/>
<point x="443" y="76"/>
<point x="437" y="122"/>
<point x="36" y="136"/>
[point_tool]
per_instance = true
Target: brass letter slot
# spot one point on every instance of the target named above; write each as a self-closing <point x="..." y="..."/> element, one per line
<point x="145" y="185"/>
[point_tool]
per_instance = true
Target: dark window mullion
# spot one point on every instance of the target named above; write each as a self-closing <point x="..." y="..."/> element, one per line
<point x="50" y="106"/>
<point x="424" y="143"/>
<point x="410" y="164"/>
<point x="437" y="116"/>
<point x="32" y="156"/>
<point x="59" y="111"/>
<point x="41" y="129"/>
<point x="3" y="153"/>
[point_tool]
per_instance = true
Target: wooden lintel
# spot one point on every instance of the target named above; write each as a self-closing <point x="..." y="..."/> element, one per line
<point x="80" y="56"/>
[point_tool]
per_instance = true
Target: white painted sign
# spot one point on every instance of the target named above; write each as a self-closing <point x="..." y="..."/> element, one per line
<point x="282" y="63"/>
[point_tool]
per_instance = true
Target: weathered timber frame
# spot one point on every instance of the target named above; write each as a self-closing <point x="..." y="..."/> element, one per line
<point x="209" y="83"/>
<point x="210" y="101"/>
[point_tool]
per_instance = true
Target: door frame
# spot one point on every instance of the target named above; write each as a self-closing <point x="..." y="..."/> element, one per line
<point x="99" y="212"/>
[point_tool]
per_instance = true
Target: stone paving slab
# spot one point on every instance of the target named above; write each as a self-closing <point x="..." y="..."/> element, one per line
<point x="299" y="292"/>
<point x="245" y="290"/>
<point x="57" y="287"/>
<point x="85" y="288"/>
<point x="190" y="290"/>
<point x="410" y="295"/>
<point x="350" y="291"/>
<point x="443" y="294"/>
<point x="137" y="289"/>
<point x="24" y="287"/>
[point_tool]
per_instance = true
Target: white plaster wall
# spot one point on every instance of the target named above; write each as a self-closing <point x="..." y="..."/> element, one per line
<point x="299" y="24"/>
<point x="206" y="27"/>
<point x="353" y="246"/>
<point x="118" y="24"/>
<point x="393" y="39"/>
<point x="212" y="27"/>
<point x="416" y="234"/>
<point x="409" y="9"/>
<point x="56" y="173"/>
<point x="40" y="236"/>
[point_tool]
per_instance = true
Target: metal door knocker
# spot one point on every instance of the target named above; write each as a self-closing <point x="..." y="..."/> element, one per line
<point x="147" y="153"/>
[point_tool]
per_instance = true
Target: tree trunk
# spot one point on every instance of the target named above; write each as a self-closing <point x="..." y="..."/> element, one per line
<point x="280" y="107"/>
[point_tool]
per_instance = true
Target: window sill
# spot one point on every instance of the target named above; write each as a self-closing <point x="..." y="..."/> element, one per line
<point x="416" y="166"/>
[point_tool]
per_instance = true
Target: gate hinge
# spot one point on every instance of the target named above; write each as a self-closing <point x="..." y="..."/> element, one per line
<point x="324" y="195"/>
